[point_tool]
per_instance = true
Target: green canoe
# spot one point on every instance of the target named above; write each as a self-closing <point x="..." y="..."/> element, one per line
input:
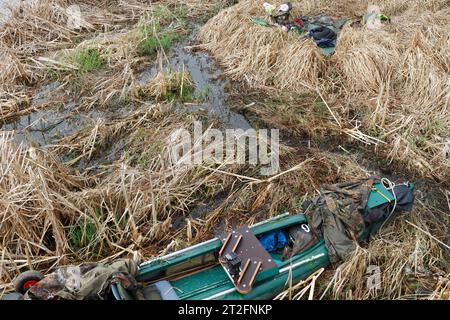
<point x="195" y="273"/>
<point x="212" y="281"/>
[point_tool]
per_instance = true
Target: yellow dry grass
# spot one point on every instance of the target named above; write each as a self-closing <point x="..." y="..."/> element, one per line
<point x="166" y="83"/>
<point x="55" y="212"/>
<point x="390" y="84"/>
<point x="412" y="263"/>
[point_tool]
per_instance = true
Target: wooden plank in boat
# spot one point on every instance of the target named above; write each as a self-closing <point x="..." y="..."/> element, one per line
<point x="255" y="259"/>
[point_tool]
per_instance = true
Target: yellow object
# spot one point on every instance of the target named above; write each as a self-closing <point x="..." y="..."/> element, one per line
<point x="381" y="193"/>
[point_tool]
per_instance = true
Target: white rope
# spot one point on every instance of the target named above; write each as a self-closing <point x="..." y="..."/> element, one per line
<point x="389" y="185"/>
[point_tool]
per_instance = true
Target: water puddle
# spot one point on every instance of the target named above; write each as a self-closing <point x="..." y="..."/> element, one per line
<point x="45" y="125"/>
<point x="208" y="79"/>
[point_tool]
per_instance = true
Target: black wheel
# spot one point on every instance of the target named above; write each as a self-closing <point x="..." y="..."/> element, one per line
<point x="26" y="280"/>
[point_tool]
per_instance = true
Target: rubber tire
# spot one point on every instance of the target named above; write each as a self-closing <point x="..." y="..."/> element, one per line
<point x="24" y="278"/>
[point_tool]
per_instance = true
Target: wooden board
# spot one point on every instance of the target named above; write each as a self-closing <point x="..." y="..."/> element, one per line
<point x="255" y="258"/>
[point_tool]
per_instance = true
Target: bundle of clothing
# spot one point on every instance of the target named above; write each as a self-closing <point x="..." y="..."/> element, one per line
<point x="342" y="215"/>
<point x="289" y="242"/>
<point x="87" y="282"/>
<point x="280" y="15"/>
<point x="347" y="212"/>
<point x="322" y="28"/>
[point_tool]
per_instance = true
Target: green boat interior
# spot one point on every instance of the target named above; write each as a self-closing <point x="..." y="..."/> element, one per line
<point x="249" y="262"/>
<point x="197" y="274"/>
<point x="281" y="248"/>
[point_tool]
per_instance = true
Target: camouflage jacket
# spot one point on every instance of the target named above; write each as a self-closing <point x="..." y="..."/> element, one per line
<point x="85" y="282"/>
<point x="337" y="215"/>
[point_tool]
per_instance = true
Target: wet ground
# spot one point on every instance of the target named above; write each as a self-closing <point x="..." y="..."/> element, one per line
<point x="208" y="79"/>
<point x="46" y="126"/>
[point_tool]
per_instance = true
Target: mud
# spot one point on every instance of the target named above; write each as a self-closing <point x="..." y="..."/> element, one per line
<point x="46" y="126"/>
<point x="208" y="78"/>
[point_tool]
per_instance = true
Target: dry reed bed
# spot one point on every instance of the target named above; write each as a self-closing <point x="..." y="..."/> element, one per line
<point x="13" y="103"/>
<point x="164" y="83"/>
<point x="80" y="217"/>
<point x="116" y="51"/>
<point x="36" y="28"/>
<point x="131" y="206"/>
<point x="53" y="215"/>
<point x="120" y="210"/>
<point x="413" y="263"/>
<point x="390" y="84"/>
<point x="33" y="201"/>
<point x="37" y="32"/>
<point x="410" y="254"/>
<point x="37" y="45"/>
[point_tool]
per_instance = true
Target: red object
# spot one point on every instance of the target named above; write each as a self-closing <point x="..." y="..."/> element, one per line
<point x="29" y="284"/>
<point x="298" y="22"/>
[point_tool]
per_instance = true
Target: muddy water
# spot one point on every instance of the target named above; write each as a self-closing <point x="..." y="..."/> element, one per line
<point x="47" y="125"/>
<point x="44" y="127"/>
<point x="208" y="79"/>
